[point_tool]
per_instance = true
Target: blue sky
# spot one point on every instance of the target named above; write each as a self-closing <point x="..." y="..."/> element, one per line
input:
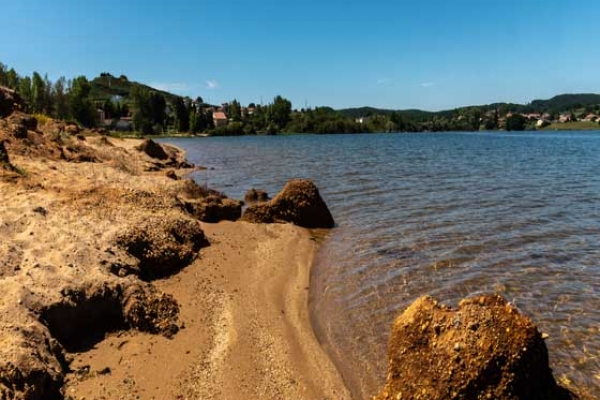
<point x="428" y="54"/>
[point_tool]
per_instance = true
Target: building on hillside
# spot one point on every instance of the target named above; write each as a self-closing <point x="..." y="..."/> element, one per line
<point x="542" y="123"/>
<point x="591" y="118"/>
<point x="219" y="119"/>
<point x="565" y="118"/>
<point x="101" y="115"/>
<point x="124" y="124"/>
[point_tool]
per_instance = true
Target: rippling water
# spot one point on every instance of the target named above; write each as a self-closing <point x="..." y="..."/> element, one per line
<point x="451" y="215"/>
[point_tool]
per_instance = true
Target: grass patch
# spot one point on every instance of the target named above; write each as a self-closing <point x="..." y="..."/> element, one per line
<point x="42" y="119"/>
<point x="573" y="126"/>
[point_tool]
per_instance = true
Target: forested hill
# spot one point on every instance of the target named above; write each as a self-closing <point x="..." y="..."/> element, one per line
<point x="566" y="101"/>
<point x="557" y="104"/>
<point x="106" y="86"/>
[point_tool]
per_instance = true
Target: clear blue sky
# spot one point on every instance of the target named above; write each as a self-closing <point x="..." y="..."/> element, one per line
<point x="428" y="54"/>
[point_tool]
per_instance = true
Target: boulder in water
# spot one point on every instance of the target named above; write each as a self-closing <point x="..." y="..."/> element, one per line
<point x="484" y="350"/>
<point x="299" y="203"/>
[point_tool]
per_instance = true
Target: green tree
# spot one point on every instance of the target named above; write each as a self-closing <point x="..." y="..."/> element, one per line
<point x="182" y="115"/>
<point x="3" y="75"/>
<point x="81" y="106"/>
<point x="12" y="79"/>
<point x="235" y="111"/>
<point x="515" y="122"/>
<point x="61" y="105"/>
<point x="150" y="113"/>
<point x="279" y="113"/>
<point x="25" y="92"/>
<point x="38" y="91"/>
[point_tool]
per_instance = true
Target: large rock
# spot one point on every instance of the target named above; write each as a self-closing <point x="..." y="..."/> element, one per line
<point x="256" y="196"/>
<point x="4" y="158"/>
<point x="153" y="149"/>
<point x="9" y="101"/>
<point x="299" y="203"/>
<point x="214" y="208"/>
<point x="484" y="350"/>
<point x="163" y="245"/>
<point x="31" y="362"/>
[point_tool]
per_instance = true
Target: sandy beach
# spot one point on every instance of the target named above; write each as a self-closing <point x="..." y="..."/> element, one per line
<point x="247" y="331"/>
<point x="242" y="328"/>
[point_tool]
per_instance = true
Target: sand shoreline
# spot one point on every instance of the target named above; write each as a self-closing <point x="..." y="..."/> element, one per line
<point x="245" y="329"/>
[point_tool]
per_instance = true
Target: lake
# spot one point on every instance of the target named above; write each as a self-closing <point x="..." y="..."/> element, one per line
<point x="446" y="214"/>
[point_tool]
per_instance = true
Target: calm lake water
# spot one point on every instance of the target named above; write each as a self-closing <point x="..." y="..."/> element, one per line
<point x="451" y="215"/>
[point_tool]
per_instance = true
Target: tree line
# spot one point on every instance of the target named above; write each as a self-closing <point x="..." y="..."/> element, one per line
<point x="63" y="99"/>
<point x="156" y="112"/>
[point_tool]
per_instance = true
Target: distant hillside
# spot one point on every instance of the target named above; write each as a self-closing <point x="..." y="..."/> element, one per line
<point x="561" y="103"/>
<point x="566" y="101"/>
<point x="106" y="86"/>
<point x="371" y="111"/>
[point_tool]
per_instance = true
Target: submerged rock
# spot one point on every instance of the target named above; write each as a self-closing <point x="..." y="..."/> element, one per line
<point x="299" y="203"/>
<point x="484" y="350"/>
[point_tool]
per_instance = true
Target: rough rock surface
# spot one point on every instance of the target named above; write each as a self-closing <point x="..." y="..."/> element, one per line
<point x="214" y="208"/>
<point x="153" y="149"/>
<point x="9" y="101"/>
<point x="163" y="246"/>
<point x="207" y="205"/>
<point x="484" y="350"/>
<point x="299" y="203"/>
<point x="256" y="196"/>
<point x="4" y="158"/>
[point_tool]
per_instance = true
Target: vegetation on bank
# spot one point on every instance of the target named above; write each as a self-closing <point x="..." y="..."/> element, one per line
<point x="127" y="107"/>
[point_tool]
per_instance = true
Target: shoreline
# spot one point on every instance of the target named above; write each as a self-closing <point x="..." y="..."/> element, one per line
<point x="247" y="330"/>
<point x="84" y="317"/>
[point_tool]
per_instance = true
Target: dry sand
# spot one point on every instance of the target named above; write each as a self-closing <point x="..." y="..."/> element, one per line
<point x="246" y="331"/>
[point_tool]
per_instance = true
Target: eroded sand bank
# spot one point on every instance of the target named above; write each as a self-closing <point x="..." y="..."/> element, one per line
<point x="244" y="327"/>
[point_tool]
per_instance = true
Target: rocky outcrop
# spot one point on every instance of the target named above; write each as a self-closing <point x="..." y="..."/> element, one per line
<point x="153" y="149"/>
<point x="214" y="208"/>
<point x="484" y="350"/>
<point x="31" y="362"/>
<point x="41" y="324"/>
<point x="299" y="203"/>
<point x="256" y="196"/>
<point x="163" y="246"/>
<point x="9" y="101"/>
<point x="207" y="205"/>
<point x="51" y="140"/>
<point x="4" y="158"/>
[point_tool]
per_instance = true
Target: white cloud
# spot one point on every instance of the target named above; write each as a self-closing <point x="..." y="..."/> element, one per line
<point x="427" y="84"/>
<point x="212" y="84"/>
<point x="170" y="87"/>
<point x="384" y="81"/>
